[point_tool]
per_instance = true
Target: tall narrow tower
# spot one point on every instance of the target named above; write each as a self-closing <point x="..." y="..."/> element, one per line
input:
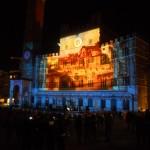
<point x="32" y="36"/>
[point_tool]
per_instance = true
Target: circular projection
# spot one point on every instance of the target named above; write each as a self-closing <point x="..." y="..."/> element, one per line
<point x="77" y="42"/>
<point x="26" y="55"/>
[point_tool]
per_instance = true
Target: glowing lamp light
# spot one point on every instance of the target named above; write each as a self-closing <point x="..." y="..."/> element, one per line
<point x="2" y="100"/>
<point x="30" y="118"/>
<point x="68" y="108"/>
<point x="8" y="101"/>
<point x="59" y="44"/>
<point x="13" y="99"/>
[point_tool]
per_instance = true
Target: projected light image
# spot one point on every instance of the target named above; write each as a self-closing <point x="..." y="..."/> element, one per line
<point x="82" y="64"/>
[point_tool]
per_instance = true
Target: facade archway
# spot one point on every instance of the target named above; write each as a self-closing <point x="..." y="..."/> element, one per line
<point x="126" y="104"/>
<point x="16" y="90"/>
<point x="113" y="104"/>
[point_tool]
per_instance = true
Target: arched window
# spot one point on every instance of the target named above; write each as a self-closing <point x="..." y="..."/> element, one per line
<point x="16" y="94"/>
<point x="126" y="104"/>
<point x="54" y="101"/>
<point x="80" y="102"/>
<point x="90" y="102"/>
<point x="81" y="83"/>
<point x="64" y="101"/>
<point x="39" y="101"/>
<point x="32" y="99"/>
<point x="126" y="51"/>
<point x="47" y="101"/>
<point x="103" y="104"/>
<point x="113" y="104"/>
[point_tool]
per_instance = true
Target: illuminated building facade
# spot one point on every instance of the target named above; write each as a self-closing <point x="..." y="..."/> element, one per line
<point x="85" y="72"/>
<point x="81" y="64"/>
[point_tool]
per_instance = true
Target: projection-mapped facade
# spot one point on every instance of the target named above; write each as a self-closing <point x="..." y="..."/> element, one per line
<point x="85" y="72"/>
<point x="81" y="64"/>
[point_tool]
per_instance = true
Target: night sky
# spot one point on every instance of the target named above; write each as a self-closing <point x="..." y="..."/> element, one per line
<point x="119" y="17"/>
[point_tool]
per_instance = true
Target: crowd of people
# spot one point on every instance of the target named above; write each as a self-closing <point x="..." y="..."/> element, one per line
<point x="34" y="129"/>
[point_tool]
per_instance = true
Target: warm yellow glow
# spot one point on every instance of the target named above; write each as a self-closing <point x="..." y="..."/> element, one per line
<point x="8" y="101"/>
<point x="81" y="65"/>
<point x="13" y="100"/>
<point x="72" y="44"/>
<point x="2" y="100"/>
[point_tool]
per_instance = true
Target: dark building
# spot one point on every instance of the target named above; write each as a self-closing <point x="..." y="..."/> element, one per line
<point x="4" y="85"/>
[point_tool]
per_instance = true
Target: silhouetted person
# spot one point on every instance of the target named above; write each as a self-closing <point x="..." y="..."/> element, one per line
<point x="108" y="120"/>
<point x="87" y="127"/>
<point x="139" y="127"/>
<point x="51" y="133"/>
<point x="60" y="133"/>
<point x="78" y="127"/>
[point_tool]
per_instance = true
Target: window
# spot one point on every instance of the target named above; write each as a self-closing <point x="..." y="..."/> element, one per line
<point x="103" y="83"/>
<point x="80" y="101"/>
<point x="63" y="101"/>
<point x="72" y="84"/>
<point x="32" y="99"/>
<point x="47" y="101"/>
<point x="90" y="102"/>
<point x="82" y="62"/>
<point x="114" y="82"/>
<point x="126" y="51"/>
<point x="126" y="104"/>
<point x="90" y="83"/>
<point x="103" y="104"/>
<point x="39" y="101"/>
<point x="54" y="101"/>
<point x="113" y="104"/>
<point x="81" y="83"/>
<point x="126" y="80"/>
<point x="91" y="60"/>
<point x="104" y="59"/>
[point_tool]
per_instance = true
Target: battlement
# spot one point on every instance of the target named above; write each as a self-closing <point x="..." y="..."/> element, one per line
<point x="52" y="54"/>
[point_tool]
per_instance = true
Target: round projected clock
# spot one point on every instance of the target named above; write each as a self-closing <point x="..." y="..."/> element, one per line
<point x="77" y="42"/>
<point x="26" y="55"/>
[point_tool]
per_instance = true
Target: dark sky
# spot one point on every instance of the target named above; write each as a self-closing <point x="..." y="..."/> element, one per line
<point x="120" y="17"/>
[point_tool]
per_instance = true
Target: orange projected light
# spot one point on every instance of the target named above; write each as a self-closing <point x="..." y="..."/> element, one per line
<point x="88" y="68"/>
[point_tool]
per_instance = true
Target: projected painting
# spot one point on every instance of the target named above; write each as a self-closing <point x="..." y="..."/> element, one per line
<point x="82" y="64"/>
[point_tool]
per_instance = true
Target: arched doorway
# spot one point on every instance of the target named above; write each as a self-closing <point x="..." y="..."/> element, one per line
<point x="90" y="102"/>
<point x="80" y="103"/>
<point x="16" y="94"/>
<point x="126" y="104"/>
<point x="113" y="104"/>
<point x="103" y="104"/>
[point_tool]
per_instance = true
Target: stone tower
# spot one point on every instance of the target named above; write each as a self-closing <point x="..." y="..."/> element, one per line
<point x="21" y="90"/>
<point x="32" y="35"/>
